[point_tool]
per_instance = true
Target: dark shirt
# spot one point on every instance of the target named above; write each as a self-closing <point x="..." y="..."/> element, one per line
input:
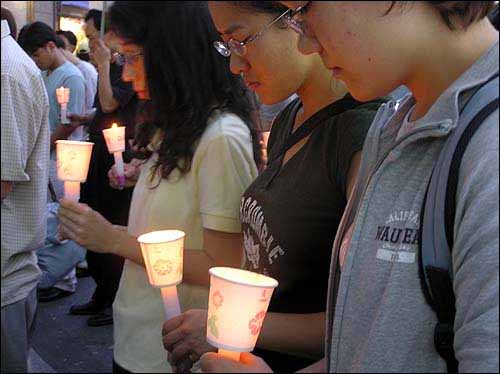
<point x="113" y="204"/>
<point x="290" y="216"/>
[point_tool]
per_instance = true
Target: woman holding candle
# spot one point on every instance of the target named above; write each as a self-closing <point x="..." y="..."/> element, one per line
<point x="379" y="320"/>
<point x="291" y="212"/>
<point x="196" y="143"/>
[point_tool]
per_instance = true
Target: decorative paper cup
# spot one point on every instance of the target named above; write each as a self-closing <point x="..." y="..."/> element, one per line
<point x="73" y="160"/>
<point x="163" y="256"/>
<point x="237" y="307"/>
<point x="115" y="138"/>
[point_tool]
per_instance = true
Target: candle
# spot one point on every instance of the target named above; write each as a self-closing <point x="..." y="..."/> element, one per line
<point x="62" y="95"/>
<point x="163" y="256"/>
<point x="237" y="306"/>
<point x="73" y="159"/>
<point x="115" y="141"/>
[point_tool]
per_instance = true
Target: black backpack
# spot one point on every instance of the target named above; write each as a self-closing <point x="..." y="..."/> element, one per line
<point x="438" y="217"/>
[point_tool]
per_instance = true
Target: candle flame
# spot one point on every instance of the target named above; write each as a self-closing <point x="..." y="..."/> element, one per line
<point x="114" y="125"/>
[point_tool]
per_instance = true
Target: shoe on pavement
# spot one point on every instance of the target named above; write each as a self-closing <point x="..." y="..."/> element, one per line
<point x="82" y="272"/>
<point x="102" y="319"/>
<point x="86" y="309"/>
<point x="51" y="294"/>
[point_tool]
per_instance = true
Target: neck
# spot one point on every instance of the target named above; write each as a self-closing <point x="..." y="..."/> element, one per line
<point x="445" y="60"/>
<point x="318" y="92"/>
<point x="58" y="60"/>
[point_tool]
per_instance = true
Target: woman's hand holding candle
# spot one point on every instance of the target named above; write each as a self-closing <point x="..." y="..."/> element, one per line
<point x="85" y="226"/>
<point x="184" y="337"/>
<point x="249" y="363"/>
<point x="131" y="172"/>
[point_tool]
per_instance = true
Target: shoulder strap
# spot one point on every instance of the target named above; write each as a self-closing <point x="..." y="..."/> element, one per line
<point x="438" y="216"/>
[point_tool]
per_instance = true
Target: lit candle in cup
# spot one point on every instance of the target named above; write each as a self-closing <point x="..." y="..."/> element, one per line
<point x="163" y="256"/>
<point x="62" y="94"/>
<point x="115" y="141"/>
<point x="237" y="307"/>
<point x="73" y="160"/>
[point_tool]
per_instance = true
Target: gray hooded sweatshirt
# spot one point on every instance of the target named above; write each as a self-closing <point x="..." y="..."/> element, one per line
<point x="378" y="319"/>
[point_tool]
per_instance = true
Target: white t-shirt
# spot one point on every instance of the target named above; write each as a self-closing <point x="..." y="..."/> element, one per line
<point x="208" y="196"/>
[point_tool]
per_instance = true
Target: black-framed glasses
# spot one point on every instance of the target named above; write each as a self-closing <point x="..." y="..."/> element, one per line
<point x="240" y="48"/>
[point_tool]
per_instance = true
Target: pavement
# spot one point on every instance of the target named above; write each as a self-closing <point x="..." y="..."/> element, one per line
<point x="63" y="343"/>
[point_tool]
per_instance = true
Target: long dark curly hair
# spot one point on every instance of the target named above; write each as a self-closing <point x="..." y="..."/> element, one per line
<point x="187" y="78"/>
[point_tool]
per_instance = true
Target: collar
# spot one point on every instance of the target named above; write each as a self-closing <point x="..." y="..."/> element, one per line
<point x="5" y="29"/>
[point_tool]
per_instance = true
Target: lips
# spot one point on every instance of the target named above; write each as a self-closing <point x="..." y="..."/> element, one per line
<point x="252" y="85"/>
<point x="336" y="71"/>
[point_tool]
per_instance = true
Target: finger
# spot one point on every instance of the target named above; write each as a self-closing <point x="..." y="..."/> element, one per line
<point x="181" y="352"/>
<point x="213" y="363"/>
<point x="67" y="233"/>
<point x="172" y="338"/>
<point x="74" y="206"/>
<point x="70" y="228"/>
<point x="68" y="215"/>
<point x="183" y="367"/>
<point x="172" y="324"/>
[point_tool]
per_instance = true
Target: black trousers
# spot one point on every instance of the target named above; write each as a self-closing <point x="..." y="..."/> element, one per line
<point x="114" y="205"/>
<point x="106" y="270"/>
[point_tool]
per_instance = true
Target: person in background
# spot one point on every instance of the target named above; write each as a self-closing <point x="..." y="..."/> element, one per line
<point x="195" y="143"/>
<point x="25" y="148"/>
<point x="47" y="50"/>
<point x="87" y="69"/>
<point x="115" y="102"/>
<point x="378" y="317"/>
<point x="9" y="17"/>
<point x="70" y="40"/>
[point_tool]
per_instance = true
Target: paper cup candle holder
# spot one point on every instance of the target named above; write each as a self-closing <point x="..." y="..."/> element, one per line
<point x="62" y="94"/>
<point x="238" y="303"/>
<point x="73" y="160"/>
<point x="163" y="256"/>
<point x="115" y="141"/>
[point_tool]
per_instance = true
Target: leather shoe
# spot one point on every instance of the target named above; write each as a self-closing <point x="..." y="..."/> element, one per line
<point x="86" y="309"/>
<point x="103" y="318"/>
<point x="51" y="294"/>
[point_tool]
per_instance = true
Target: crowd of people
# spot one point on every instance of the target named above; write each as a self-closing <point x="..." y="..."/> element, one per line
<point x="338" y="203"/>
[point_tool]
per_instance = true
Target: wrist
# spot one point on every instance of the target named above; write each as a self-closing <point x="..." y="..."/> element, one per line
<point x="114" y="238"/>
<point x="103" y="66"/>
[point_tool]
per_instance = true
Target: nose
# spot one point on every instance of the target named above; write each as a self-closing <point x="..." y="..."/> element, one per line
<point x="308" y="44"/>
<point x="238" y="64"/>
<point x="127" y="73"/>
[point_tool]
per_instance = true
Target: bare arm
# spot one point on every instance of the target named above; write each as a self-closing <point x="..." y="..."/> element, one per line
<point x="108" y="103"/>
<point x="102" y="57"/>
<point x="295" y="334"/>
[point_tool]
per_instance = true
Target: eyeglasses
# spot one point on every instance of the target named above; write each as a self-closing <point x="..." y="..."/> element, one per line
<point x="240" y="48"/>
<point x="122" y="59"/>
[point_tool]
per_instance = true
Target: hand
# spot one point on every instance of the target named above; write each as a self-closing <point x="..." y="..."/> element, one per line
<point x="131" y="171"/>
<point x="249" y="363"/>
<point x="78" y="120"/>
<point x="184" y="337"/>
<point x="100" y="52"/>
<point x="85" y="226"/>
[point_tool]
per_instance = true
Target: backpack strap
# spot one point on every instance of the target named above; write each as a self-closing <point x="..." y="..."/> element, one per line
<point x="438" y="217"/>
